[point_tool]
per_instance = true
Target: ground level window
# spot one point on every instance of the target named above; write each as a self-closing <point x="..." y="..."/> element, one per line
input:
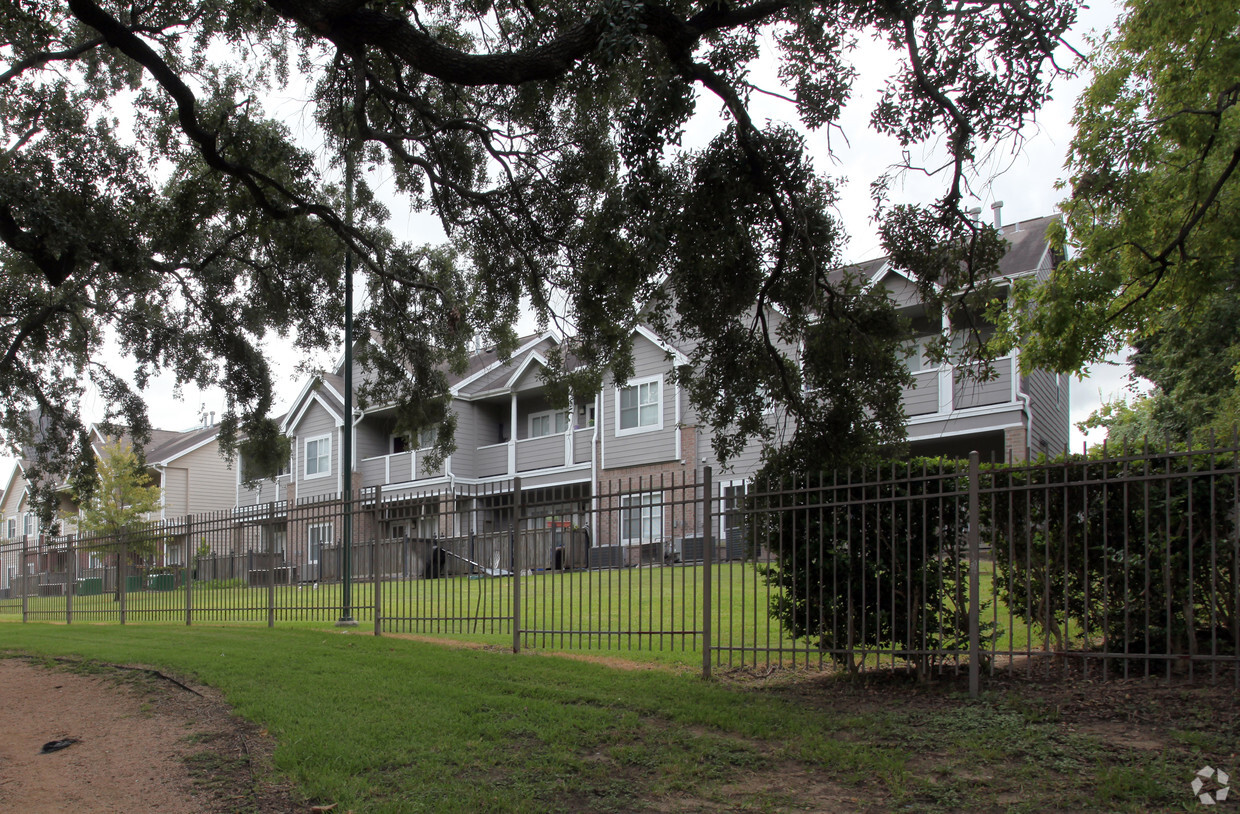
<point x="641" y="518"/>
<point x="316" y="538"/>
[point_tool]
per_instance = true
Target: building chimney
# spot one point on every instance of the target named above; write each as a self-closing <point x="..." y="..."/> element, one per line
<point x="975" y="214"/>
<point x="212" y="424"/>
<point x="997" y="208"/>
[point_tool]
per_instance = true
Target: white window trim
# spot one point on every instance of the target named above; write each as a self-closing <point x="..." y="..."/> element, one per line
<point x="305" y="454"/>
<point x="658" y="425"/>
<point x="733" y="484"/>
<point x="550" y="415"/>
<point x="323" y="540"/>
<point x="656" y="531"/>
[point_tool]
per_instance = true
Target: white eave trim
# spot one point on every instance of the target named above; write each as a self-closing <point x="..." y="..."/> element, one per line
<point x="295" y="418"/>
<point x="677" y="356"/>
<point x="526" y="364"/>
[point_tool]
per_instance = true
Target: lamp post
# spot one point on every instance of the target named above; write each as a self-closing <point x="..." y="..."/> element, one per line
<point x="346" y="453"/>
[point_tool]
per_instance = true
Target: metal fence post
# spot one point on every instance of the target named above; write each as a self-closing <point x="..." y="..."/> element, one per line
<point x="121" y="556"/>
<point x="189" y="568"/>
<point x="71" y="580"/>
<point x="25" y="578"/>
<point x="376" y="517"/>
<point x="516" y="565"/>
<point x="708" y="543"/>
<point x="975" y="536"/>
<point x="271" y="572"/>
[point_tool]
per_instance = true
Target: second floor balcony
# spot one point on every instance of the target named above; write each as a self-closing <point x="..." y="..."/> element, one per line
<point x="946" y="389"/>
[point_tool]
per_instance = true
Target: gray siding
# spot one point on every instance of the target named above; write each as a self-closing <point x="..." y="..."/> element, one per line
<point x="973" y="393"/>
<point x="371" y="441"/>
<point x="651" y="446"/>
<point x="901" y="290"/>
<point x="1049" y="406"/>
<point x="210" y="480"/>
<point x="923" y="398"/>
<point x="583" y="445"/>
<point x="314" y="423"/>
<point x="540" y="453"/>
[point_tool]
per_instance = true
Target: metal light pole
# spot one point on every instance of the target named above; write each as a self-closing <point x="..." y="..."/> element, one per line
<point x="346" y="454"/>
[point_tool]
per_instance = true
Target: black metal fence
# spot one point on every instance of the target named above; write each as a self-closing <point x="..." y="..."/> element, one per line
<point x="1105" y="566"/>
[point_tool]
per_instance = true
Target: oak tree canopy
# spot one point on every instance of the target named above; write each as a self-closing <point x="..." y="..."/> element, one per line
<point x="150" y="193"/>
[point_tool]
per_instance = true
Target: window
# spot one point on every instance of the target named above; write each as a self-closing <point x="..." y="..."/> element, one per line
<point x="398" y="444"/>
<point x="639" y="407"/>
<point x="731" y="507"/>
<point x="428" y="437"/>
<point x="917" y="352"/>
<point x="28" y="524"/>
<point x="318" y="456"/>
<point x="12" y="527"/>
<point x="316" y="538"/>
<point x="273" y="538"/>
<point x="172" y="554"/>
<point x="641" y="518"/>
<point x="549" y="422"/>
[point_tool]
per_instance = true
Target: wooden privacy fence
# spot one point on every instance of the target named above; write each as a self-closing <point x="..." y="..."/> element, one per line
<point x="1107" y="566"/>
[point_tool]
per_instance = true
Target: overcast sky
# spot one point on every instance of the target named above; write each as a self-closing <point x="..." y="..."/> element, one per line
<point x="1023" y="179"/>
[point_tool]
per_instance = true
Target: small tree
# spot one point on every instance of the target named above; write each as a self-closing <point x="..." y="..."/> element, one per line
<point x="116" y="514"/>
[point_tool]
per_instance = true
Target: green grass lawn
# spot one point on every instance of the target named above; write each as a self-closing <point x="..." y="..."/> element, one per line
<point x="647" y="613"/>
<point x="392" y="725"/>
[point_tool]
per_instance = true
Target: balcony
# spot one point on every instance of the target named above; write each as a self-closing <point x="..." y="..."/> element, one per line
<point x="926" y="397"/>
<point x="399" y="467"/>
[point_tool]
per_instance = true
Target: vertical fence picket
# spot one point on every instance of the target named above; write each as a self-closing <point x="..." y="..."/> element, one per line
<point x="708" y="543"/>
<point x="975" y="535"/>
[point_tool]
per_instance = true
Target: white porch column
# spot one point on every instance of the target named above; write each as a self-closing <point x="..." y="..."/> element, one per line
<point x="512" y="436"/>
<point x="947" y="374"/>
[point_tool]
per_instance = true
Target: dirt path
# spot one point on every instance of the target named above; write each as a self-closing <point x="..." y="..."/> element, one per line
<point x="144" y="744"/>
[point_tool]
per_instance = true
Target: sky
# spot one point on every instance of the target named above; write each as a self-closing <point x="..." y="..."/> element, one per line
<point x="1021" y="176"/>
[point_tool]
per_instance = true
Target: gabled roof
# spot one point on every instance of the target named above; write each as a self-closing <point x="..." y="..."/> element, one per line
<point x="19" y="468"/>
<point x="181" y="444"/>
<point x="1026" y="253"/>
<point x="487" y="371"/>
<point x="165" y="446"/>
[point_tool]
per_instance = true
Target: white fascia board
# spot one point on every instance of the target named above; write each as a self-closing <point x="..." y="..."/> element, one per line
<point x="497" y="363"/>
<point x="960" y="433"/>
<point x="525" y="365"/>
<point x="677" y="356"/>
<point x="17" y="468"/>
<point x="322" y="403"/>
<point x="334" y="391"/>
<point x="302" y="394"/>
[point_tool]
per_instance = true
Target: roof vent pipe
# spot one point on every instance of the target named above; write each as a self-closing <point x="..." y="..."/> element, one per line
<point x="997" y="208"/>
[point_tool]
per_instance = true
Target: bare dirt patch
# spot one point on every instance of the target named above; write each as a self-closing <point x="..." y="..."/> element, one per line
<point x="144" y="743"/>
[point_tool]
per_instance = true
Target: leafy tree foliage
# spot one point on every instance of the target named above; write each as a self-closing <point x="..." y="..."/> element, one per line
<point x="116" y="515"/>
<point x="1151" y="222"/>
<point x="147" y="193"/>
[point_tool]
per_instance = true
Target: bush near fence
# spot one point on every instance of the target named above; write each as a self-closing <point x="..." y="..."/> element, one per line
<point x="1140" y="554"/>
<point x="870" y="560"/>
